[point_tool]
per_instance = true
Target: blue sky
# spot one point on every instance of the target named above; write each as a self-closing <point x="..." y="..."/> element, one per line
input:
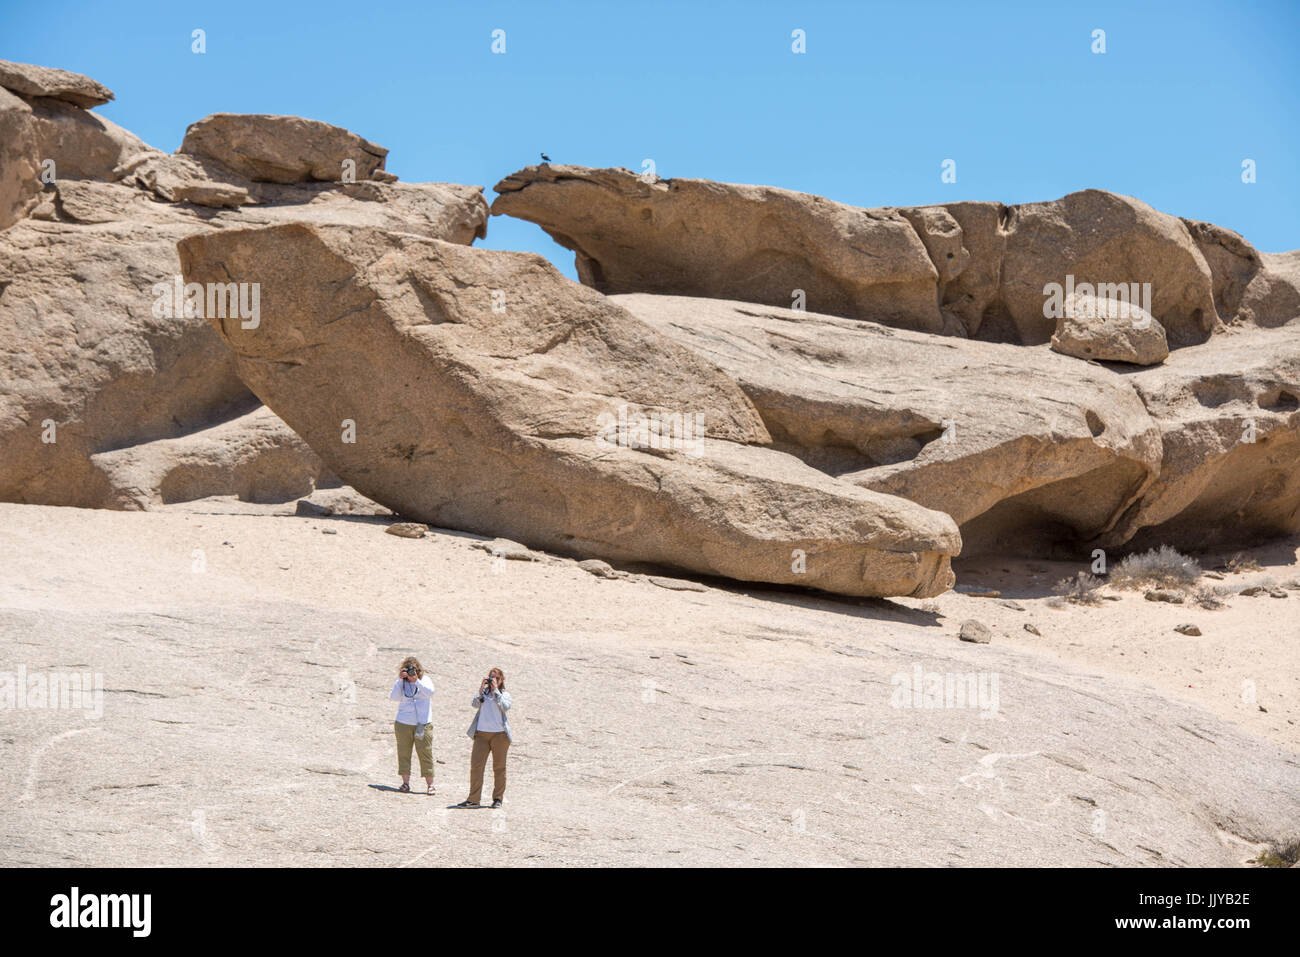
<point x="884" y="94"/>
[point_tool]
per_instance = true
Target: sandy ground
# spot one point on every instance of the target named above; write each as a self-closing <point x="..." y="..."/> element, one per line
<point x="246" y="656"/>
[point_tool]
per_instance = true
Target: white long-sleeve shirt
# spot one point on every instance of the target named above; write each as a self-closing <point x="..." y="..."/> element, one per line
<point x="415" y="697"/>
<point x="489" y="715"/>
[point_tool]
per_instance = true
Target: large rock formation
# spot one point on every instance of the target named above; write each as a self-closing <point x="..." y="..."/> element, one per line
<point x="255" y="457"/>
<point x="481" y="390"/>
<point x="1109" y="242"/>
<point x="973" y="269"/>
<point x="96" y="358"/>
<point x="282" y="149"/>
<point x="20" y="160"/>
<point x="1023" y="448"/>
<point x="1229" y="415"/>
<point x="89" y="354"/>
<point x="689" y="237"/>
<point x="31" y="80"/>
<point x="1109" y="330"/>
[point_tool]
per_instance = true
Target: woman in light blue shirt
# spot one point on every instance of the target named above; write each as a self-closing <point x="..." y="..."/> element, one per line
<point x="490" y="731"/>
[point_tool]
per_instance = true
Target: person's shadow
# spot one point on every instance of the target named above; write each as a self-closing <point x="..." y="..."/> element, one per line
<point x="389" y="787"/>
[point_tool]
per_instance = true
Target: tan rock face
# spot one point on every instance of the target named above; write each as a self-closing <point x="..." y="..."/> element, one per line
<point x="970" y="269"/>
<point x="1023" y="448"/>
<point x="1229" y="414"/>
<point x="509" y="421"/>
<point x="255" y="457"/>
<point x="87" y="365"/>
<point x="91" y="365"/>
<point x="31" y="80"/>
<point x="20" y="160"/>
<point x="754" y="243"/>
<point x="1272" y="297"/>
<point x="84" y="145"/>
<point x="186" y="179"/>
<point x="1105" y="240"/>
<point x="281" y="149"/>
<point x="1108" y="330"/>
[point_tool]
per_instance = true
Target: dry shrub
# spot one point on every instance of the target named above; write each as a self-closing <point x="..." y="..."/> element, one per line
<point x="1161" y="566"/>
<point x="1081" y="589"/>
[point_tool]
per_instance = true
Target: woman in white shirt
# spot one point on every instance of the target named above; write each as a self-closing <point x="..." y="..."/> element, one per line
<point x="490" y="732"/>
<point x="412" y="727"/>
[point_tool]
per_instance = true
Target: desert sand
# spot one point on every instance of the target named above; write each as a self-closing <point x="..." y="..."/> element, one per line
<point x="246" y="721"/>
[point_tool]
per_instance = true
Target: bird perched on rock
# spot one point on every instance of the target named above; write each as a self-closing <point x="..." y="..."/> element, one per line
<point x="545" y="158"/>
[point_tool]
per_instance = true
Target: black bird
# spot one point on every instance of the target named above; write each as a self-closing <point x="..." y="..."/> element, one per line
<point x="545" y="158"/>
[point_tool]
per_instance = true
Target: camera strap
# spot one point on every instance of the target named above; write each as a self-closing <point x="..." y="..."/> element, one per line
<point x="413" y="696"/>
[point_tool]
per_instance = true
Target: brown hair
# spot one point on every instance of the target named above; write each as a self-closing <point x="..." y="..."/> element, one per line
<point x="501" y="677"/>
<point x="414" y="663"/>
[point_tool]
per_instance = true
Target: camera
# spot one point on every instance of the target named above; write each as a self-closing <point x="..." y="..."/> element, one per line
<point x="408" y="670"/>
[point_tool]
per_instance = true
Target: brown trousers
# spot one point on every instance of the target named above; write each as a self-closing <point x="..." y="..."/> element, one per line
<point x="405" y="734"/>
<point x="498" y="744"/>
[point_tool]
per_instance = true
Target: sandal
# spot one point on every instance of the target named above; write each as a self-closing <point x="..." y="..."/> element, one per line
<point x="430" y="790"/>
<point x="405" y="788"/>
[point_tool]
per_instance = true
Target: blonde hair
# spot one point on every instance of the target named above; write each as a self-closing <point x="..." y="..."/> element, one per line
<point x="501" y="677"/>
<point x="414" y="662"/>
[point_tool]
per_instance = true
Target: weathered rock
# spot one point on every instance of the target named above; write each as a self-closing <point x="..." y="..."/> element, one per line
<point x="1166" y="595"/>
<point x="1188" y="629"/>
<point x="690" y="237"/>
<point x="1022" y="448"/>
<point x="1229" y="416"/>
<point x="306" y="508"/>
<point x="975" y="631"/>
<point x="676" y="584"/>
<point x="1251" y="591"/>
<point x="964" y="269"/>
<point x="346" y="501"/>
<point x="255" y="457"/>
<point x="970" y="295"/>
<point x="594" y="566"/>
<point x="505" y="421"/>
<point x="90" y="367"/>
<point x="407" y="529"/>
<point x="31" y="80"/>
<point x="282" y="149"/>
<point x="187" y="179"/>
<point x="1108" y="330"/>
<point x="84" y="145"/>
<point x="1033" y="630"/>
<point x="510" y="551"/>
<point x="1273" y="296"/>
<point x="1106" y="241"/>
<point x="1233" y="264"/>
<point x="20" y="160"/>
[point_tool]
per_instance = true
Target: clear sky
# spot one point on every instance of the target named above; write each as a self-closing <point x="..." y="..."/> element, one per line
<point x="884" y="94"/>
